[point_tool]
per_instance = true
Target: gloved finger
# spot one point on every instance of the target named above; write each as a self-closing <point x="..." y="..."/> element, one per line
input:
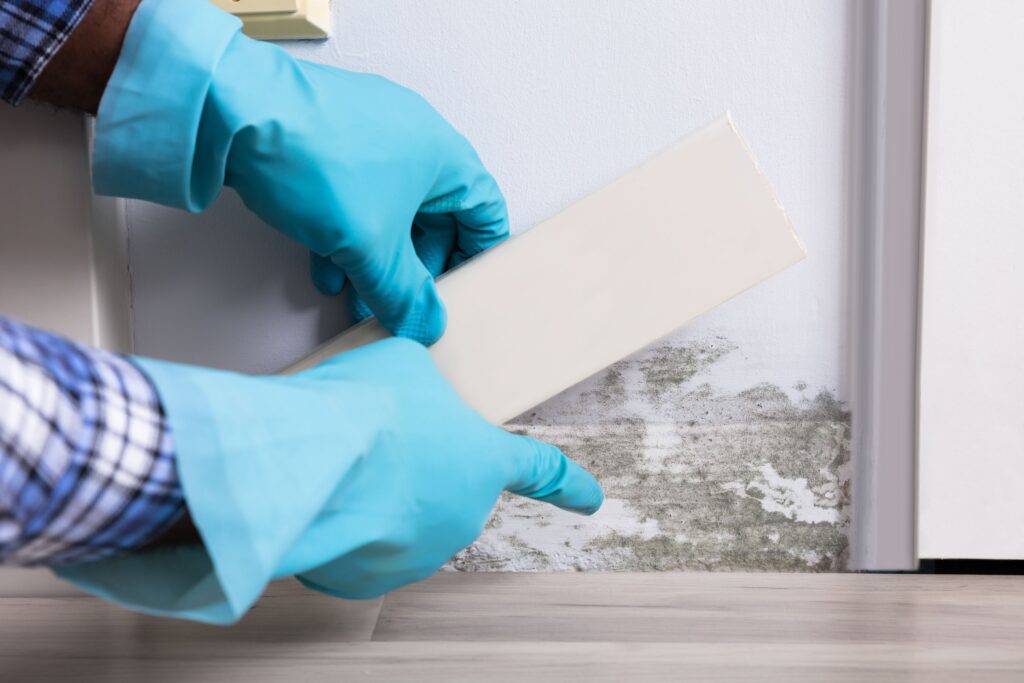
<point x="479" y="210"/>
<point x="481" y="227"/>
<point x="434" y="236"/>
<point x="397" y="287"/>
<point x="358" y="311"/>
<point x="542" y="472"/>
<point x="327" y="276"/>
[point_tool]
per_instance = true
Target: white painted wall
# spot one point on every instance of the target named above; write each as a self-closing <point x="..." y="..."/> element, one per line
<point x="559" y="98"/>
<point x="971" y="460"/>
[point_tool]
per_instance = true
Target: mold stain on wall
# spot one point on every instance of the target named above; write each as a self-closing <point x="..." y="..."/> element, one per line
<point x="695" y="477"/>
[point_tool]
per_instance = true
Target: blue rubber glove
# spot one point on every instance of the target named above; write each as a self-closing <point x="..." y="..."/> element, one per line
<point x="362" y="171"/>
<point x="363" y="474"/>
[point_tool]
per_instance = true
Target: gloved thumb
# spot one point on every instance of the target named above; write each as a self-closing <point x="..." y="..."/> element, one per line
<point x="543" y="472"/>
<point x="399" y="290"/>
<point x="326" y="275"/>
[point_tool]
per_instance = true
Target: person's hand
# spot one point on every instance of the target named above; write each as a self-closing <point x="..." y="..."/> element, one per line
<point x="426" y="487"/>
<point x="359" y="475"/>
<point x="364" y="172"/>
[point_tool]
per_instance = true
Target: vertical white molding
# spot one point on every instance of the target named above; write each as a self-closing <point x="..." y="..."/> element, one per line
<point x="887" y="148"/>
<point x="111" y="282"/>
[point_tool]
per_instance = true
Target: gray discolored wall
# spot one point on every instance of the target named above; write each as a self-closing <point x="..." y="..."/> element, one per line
<point x="696" y="477"/>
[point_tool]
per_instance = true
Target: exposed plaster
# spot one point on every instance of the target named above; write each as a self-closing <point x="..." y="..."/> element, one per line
<point x="696" y="477"/>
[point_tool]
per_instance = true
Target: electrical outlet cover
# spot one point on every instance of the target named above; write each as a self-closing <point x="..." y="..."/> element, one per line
<point x="281" y="19"/>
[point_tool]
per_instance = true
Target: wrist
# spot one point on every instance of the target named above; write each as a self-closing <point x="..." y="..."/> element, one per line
<point x="77" y="75"/>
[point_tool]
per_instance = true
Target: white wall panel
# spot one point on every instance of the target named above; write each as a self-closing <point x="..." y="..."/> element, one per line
<point x="971" y="461"/>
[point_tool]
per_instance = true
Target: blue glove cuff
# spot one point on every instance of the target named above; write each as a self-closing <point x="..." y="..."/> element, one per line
<point x="150" y="114"/>
<point x="260" y="459"/>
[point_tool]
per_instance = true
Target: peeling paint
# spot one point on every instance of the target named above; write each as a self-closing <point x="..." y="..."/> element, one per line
<point x="790" y="497"/>
<point x="696" y="477"/>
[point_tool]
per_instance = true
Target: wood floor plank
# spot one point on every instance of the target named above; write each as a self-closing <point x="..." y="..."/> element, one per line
<point x="427" y="662"/>
<point x="550" y="627"/>
<point x="288" y="620"/>
<point x="708" y="607"/>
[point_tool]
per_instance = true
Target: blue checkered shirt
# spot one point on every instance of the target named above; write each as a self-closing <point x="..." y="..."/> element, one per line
<point x="86" y="456"/>
<point x="31" y="32"/>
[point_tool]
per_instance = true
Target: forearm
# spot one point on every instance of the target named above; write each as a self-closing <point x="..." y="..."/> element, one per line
<point x="60" y="51"/>
<point x="78" y="73"/>
<point x="87" y="463"/>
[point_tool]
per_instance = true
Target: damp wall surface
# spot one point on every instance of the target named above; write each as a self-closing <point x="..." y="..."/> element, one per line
<point x="725" y="446"/>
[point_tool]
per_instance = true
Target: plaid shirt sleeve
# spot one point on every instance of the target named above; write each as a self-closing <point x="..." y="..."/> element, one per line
<point x="31" y="33"/>
<point x="86" y="456"/>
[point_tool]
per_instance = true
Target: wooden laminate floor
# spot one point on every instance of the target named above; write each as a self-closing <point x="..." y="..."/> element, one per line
<point x="550" y="627"/>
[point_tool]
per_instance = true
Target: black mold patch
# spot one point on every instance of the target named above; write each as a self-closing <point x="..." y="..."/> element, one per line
<point x="696" y="477"/>
<point x="668" y="367"/>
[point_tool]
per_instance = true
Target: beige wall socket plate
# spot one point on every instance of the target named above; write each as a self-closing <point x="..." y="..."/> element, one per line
<point x="281" y="19"/>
